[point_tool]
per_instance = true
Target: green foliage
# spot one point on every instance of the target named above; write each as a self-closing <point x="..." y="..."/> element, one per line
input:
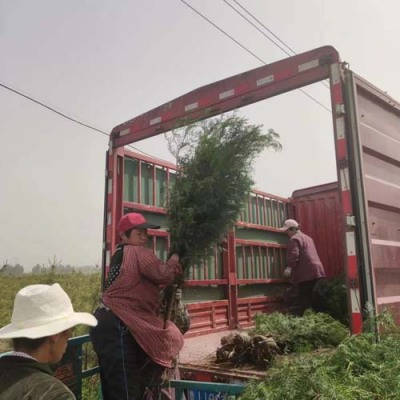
<point x="300" y="334"/>
<point x="214" y="158"/>
<point x="361" y="368"/>
<point x="332" y="298"/>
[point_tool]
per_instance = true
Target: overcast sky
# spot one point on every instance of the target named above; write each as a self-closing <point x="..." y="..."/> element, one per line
<point x="106" y="61"/>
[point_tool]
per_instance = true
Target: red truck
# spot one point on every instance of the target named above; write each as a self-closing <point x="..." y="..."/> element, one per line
<point x="360" y="235"/>
<point x="355" y="222"/>
<point x="358" y="229"/>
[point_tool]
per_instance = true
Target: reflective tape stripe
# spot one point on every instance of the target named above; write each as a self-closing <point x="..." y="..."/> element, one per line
<point x="109" y="185"/>
<point x="344" y="179"/>
<point x="308" y="65"/>
<point x="340" y="128"/>
<point x="355" y="300"/>
<point x="226" y="94"/>
<point x="335" y="73"/>
<point x="191" y="107"/>
<point x="155" y="121"/>
<point x="265" y="80"/>
<point x="125" y="132"/>
<point x="350" y="243"/>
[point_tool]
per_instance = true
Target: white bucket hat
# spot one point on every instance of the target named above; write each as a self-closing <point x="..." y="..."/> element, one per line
<point x="43" y="310"/>
<point x="289" y="223"/>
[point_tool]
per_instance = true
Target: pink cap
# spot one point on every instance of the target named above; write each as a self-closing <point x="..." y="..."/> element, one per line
<point x="134" y="220"/>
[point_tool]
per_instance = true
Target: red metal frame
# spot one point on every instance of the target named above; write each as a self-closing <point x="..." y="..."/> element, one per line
<point x="228" y="94"/>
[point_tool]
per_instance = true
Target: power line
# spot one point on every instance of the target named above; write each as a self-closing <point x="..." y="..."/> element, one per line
<point x="53" y="109"/>
<point x="259" y="30"/>
<point x="267" y="29"/>
<point x="248" y="51"/>
<point x="223" y="32"/>
<point x="19" y="93"/>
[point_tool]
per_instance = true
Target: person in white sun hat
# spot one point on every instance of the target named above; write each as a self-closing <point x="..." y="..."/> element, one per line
<point x="41" y="324"/>
<point x="304" y="267"/>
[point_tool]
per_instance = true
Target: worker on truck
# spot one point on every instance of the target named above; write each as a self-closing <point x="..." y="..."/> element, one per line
<point x="304" y="267"/>
<point x="132" y="344"/>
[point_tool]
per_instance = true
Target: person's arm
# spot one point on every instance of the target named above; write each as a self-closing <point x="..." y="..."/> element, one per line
<point x="293" y="252"/>
<point x="157" y="271"/>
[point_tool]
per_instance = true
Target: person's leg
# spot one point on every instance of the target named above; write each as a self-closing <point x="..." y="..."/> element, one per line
<point x="305" y="299"/>
<point x="118" y="356"/>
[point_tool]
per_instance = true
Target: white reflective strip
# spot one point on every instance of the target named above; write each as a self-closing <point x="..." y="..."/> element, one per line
<point x="108" y="258"/>
<point x="191" y="107"/>
<point x="226" y="94"/>
<point x="350" y="244"/>
<point x="340" y="128"/>
<point x="344" y="179"/>
<point x="335" y="74"/>
<point x="388" y="300"/>
<point x="155" y="121"/>
<point x="381" y="242"/>
<point x="373" y="178"/>
<point x="109" y="218"/>
<point x="109" y="186"/>
<point x="355" y="300"/>
<point x="308" y="65"/>
<point x="125" y="132"/>
<point x="264" y="81"/>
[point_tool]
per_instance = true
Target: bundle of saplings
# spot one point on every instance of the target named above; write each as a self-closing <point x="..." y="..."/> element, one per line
<point x="214" y="159"/>
<point x="277" y="334"/>
<point x="361" y="368"/>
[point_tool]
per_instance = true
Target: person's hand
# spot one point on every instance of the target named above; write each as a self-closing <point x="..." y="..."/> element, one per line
<point x="178" y="294"/>
<point x="178" y="269"/>
<point x="287" y="272"/>
<point x="174" y="258"/>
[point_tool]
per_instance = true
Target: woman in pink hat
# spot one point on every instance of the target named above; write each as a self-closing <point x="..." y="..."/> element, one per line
<point x="131" y="343"/>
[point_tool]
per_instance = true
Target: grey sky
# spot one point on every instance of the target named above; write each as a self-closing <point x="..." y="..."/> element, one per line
<point x="105" y="62"/>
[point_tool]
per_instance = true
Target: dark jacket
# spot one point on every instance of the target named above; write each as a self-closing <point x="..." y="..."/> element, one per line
<point x="25" y="379"/>
<point x="303" y="258"/>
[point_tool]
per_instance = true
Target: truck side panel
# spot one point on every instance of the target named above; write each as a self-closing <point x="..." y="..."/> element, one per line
<point x="376" y="117"/>
<point x="318" y="211"/>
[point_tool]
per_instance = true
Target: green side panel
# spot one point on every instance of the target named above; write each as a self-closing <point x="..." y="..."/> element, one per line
<point x="131" y="168"/>
<point x="209" y="268"/>
<point x="264" y="211"/>
<point x="262" y="236"/>
<point x="201" y="293"/>
<point x="161" y="187"/>
<point x="248" y="291"/>
<point x="146" y="196"/>
<point x="161" y="248"/>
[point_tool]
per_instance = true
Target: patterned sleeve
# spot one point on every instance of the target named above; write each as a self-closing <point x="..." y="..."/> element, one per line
<point x="293" y="252"/>
<point x="154" y="269"/>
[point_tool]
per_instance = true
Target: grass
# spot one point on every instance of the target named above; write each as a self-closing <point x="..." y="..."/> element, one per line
<point x="360" y="368"/>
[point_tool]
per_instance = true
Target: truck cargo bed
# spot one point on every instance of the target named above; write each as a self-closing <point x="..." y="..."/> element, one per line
<point x="197" y="362"/>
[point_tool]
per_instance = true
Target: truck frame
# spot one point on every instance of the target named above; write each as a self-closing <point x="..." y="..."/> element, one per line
<point x="366" y="124"/>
